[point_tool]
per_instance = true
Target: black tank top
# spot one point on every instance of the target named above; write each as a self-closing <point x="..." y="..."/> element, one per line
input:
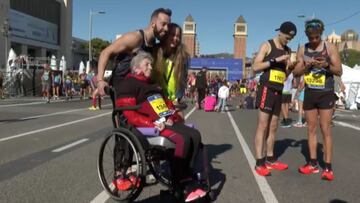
<point x="122" y="61"/>
<point x="318" y="79"/>
<point x="274" y="77"/>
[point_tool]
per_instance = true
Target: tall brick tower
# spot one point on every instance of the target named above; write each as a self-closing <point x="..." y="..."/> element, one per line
<point x="240" y="35"/>
<point x="189" y="35"/>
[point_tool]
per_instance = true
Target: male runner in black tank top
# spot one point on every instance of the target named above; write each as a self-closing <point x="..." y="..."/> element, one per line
<point x="273" y="59"/>
<point x="128" y="44"/>
<point x="319" y="62"/>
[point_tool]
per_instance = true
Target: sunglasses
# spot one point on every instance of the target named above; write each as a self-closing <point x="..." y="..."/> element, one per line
<point x="314" y="25"/>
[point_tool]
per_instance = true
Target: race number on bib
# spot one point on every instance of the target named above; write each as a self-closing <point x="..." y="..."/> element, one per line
<point x="315" y="80"/>
<point x="277" y="76"/>
<point x="158" y="104"/>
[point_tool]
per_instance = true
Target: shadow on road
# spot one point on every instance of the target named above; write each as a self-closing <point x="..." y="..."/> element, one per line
<point x="217" y="178"/>
<point x="282" y="145"/>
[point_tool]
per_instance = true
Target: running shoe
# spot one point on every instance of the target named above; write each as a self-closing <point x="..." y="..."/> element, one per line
<point x="92" y="108"/>
<point x="327" y="174"/>
<point x="191" y="196"/>
<point x="262" y="171"/>
<point x="200" y="192"/>
<point x="135" y="181"/>
<point x="286" y="123"/>
<point x="309" y="169"/>
<point x="122" y="184"/>
<point x="298" y="125"/>
<point x="277" y="165"/>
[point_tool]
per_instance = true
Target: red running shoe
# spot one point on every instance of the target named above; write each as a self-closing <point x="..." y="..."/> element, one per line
<point x="327" y="175"/>
<point x="135" y="181"/>
<point x="309" y="169"/>
<point x="122" y="184"/>
<point x="276" y="165"/>
<point x="262" y="171"/>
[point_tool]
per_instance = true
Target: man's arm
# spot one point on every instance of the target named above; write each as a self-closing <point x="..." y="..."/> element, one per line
<point x="300" y="66"/>
<point x="335" y="63"/>
<point x="259" y="63"/>
<point x="127" y="43"/>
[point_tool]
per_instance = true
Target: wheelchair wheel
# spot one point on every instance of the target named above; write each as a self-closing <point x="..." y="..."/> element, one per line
<point x="122" y="159"/>
<point x="159" y="166"/>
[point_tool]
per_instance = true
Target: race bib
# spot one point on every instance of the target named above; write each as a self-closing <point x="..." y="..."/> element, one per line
<point x="277" y="76"/>
<point x="315" y="80"/>
<point x="159" y="106"/>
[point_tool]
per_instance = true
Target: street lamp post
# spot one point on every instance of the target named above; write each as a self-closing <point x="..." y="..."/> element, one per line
<point x="90" y="30"/>
<point x="5" y="30"/>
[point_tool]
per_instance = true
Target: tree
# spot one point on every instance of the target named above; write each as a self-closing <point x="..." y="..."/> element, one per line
<point x="97" y="46"/>
<point x="350" y="57"/>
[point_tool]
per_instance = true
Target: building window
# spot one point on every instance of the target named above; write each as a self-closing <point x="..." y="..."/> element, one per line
<point x="189" y="27"/>
<point x="240" y="28"/>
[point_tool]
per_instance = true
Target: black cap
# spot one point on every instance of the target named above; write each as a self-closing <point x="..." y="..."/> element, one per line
<point x="288" y="28"/>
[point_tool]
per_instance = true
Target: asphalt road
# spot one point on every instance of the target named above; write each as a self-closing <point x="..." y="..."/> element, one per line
<point x="48" y="153"/>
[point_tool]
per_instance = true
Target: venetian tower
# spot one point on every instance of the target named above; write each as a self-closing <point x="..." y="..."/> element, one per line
<point x="240" y="35"/>
<point x="189" y="35"/>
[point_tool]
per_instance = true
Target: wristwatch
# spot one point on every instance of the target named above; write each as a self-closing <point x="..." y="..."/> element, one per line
<point x="272" y="60"/>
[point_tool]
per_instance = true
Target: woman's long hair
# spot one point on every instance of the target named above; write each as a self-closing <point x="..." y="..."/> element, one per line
<point x="179" y="57"/>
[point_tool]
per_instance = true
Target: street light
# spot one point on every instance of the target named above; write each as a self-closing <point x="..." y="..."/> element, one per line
<point x="90" y="29"/>
<point x="6" y="31"/>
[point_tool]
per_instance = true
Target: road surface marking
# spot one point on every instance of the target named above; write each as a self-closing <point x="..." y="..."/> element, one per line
<point x="70" y="145"/>
<point x="52" y="127"/>
<point x="347" y="125"/>
<point x="264" y="186"/>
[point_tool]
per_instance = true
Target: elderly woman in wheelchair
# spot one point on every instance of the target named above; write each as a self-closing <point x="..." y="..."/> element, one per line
<point x="153" y="111"/>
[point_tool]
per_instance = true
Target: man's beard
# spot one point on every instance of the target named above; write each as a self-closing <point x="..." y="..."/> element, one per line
<point x="157" y="34"/>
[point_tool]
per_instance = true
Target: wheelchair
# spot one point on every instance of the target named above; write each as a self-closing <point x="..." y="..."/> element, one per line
<point x="137" y="152"/>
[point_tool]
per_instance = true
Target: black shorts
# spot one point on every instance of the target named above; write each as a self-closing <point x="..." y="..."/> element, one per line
<point x="269" y="100"/>
<point x="286" y="98"/>
<point x="319" y="100"/>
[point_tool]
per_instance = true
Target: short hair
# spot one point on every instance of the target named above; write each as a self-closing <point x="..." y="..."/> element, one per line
<point x="156" y="12"/>
<point x="314" y="24"/>
<point x="140" y="56"/>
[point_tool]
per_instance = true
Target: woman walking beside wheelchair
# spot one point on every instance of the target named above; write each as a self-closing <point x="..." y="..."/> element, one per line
<point x="157" y="111"/>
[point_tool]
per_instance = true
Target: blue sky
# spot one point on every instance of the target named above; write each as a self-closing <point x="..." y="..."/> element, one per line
<point x="215" y="19"/>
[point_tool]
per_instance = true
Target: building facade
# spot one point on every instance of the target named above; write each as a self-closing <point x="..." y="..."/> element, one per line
<point x="36" y="28"/>
<point x="348" y="40"/>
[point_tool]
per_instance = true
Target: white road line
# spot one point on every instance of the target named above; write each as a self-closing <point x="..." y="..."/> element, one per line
<point x="29" y="104"/>
<point x="103" y="196"/>
<point x="70" y="145"/>
<point x="264" y="186"/>
<point x="190" y="112"/>
<point x="52" y="127"/>
<point x="57" y="113"/>
<point x="347" y="125"/>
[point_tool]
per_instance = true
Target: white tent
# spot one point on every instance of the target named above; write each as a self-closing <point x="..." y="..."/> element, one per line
<point x="87" y="67"/>
<point x="350" y="74"/>
<point x="81" y="67"/>
<point x="62" y="65"/>
<point x="11" y="60"/>
<point x="53" y="63"/>
<point x="351" y="80"/>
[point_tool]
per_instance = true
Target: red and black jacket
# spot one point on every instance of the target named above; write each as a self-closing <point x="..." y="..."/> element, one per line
<point x="134" y="90"/>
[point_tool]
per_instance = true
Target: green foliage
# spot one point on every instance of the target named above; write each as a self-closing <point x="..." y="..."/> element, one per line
<point x="353" y="57"/>
<point x="97" y="45"/>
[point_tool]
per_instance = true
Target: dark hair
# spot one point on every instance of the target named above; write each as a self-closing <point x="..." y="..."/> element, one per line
<point x="314" y="24"/>
<point x="156" y="12"/>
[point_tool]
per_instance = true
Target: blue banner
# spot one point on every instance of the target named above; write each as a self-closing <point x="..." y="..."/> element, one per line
<point x="233" y="67"/>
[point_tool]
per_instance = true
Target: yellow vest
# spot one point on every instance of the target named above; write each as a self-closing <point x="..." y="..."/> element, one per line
<point x="170" y="80"/>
